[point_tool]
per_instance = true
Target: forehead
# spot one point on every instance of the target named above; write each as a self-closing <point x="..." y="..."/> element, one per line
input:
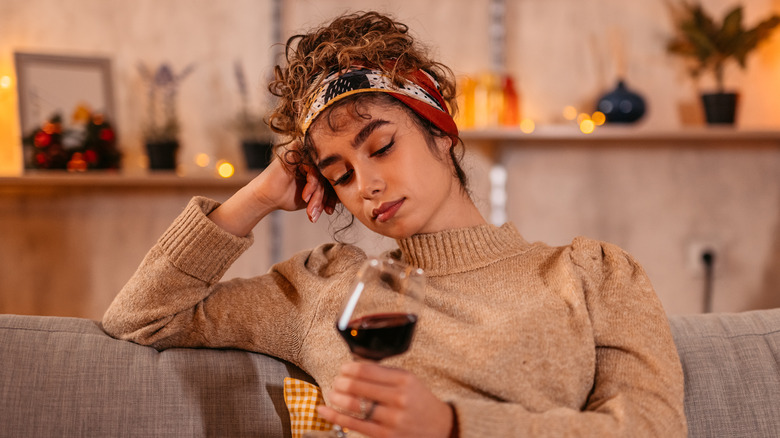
<point x="346" y="120"/>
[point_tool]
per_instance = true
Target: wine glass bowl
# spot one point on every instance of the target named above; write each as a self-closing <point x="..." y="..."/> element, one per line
<point x="382" y="309"/>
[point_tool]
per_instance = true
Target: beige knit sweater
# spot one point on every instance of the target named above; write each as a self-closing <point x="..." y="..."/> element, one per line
<point x="524" y="339"/>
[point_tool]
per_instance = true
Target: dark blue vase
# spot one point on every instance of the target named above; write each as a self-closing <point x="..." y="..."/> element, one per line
<point x="622" y="105"/>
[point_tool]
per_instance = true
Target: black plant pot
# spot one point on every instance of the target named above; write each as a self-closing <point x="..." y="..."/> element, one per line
<point x="257" y="154"/>
<point x="720" y="108"/>
<point x="162" y="155"/>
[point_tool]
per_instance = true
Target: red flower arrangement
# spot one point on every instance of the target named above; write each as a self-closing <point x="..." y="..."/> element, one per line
<point x="90" y="143"/>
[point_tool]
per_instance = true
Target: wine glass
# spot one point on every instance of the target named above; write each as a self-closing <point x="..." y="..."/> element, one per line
<point x="380" y="312"/>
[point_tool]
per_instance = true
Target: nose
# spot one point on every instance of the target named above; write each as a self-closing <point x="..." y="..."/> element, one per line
<point x="370" y="183"/>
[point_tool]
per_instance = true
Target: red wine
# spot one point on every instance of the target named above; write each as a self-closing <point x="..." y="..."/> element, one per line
<point x="376" y="337"/>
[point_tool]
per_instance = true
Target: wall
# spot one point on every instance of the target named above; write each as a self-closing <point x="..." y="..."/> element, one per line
<point x="563" y="52"/>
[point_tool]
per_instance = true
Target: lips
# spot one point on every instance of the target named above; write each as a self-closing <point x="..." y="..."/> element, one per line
<point x="387" y="210"/>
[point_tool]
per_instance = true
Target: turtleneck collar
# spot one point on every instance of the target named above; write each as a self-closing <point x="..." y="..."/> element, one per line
<point x="461" y="249"/>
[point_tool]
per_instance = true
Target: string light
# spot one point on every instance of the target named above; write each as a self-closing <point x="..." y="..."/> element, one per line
<point x="202" y="160"/>
<point x="527" y="126"/>
<point x="598" y="118"/>
<point x="570" y="113"/>
<point x="5" y="82"/>
<point x="225" y="169"/>
<point x="587" y="126"/>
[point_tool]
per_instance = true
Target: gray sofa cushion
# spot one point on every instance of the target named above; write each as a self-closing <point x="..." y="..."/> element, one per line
<point x="732" y="373"/>
<point x="66" y="377"/>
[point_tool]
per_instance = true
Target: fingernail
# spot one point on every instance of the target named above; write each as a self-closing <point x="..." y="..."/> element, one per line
<point x="307" y="197"/>
<point x="315" y="214"/>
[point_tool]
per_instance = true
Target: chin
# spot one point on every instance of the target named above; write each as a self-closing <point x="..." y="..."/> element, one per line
<point x="393" y="231"/>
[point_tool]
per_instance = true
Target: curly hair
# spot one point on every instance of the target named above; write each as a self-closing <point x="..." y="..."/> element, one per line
<point x="367" y="38"/>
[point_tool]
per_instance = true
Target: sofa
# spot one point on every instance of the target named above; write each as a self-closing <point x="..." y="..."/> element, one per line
<point x="66" y="377"/>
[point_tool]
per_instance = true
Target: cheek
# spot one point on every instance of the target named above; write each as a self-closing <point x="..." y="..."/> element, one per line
<point x="349" y="199"/>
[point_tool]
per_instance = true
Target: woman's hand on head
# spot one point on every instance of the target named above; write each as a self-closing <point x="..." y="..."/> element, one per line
<point x="280" y="188"/>
<point x="405" y="407"/>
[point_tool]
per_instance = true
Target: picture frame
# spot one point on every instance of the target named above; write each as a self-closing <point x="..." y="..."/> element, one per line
<point x="52" y="83"/>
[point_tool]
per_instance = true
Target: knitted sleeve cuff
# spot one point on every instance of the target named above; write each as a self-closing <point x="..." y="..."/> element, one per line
<point x="199" y="247"/>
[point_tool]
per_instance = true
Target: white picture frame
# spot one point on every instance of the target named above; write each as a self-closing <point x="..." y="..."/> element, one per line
<point x="50" y="83"/>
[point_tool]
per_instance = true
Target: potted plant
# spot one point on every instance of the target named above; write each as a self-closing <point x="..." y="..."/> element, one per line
<point x="253" y="131"/>
<point x="710" y="45"/>
<point x="161" y="132"/>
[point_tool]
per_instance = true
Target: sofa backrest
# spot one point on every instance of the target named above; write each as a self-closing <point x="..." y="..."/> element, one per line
<point x="66" y="377"/>
<point x="732" y="373"/>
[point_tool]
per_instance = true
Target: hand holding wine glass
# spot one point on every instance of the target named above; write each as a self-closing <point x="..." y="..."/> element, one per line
<point x="379" y="317"/>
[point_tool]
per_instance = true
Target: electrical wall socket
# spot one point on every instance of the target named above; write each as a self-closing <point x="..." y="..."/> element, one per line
<point x="696" y="250"/>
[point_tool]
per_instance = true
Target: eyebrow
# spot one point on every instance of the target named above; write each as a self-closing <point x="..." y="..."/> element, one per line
<point x="359" y="139"/>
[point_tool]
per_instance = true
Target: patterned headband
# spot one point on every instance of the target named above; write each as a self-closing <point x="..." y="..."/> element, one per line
<point x="420" y="93"/>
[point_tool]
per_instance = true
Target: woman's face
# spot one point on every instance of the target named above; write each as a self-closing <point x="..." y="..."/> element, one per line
<point x="384" y="173"/>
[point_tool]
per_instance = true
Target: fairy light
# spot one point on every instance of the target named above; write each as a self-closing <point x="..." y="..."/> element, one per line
<point x="202" y="160"/>
<point x="598" y="118"/>
<point x="587" y="126"/>
<point x="527" y="126"/>
<point x="225" y="169"/>
<point x="570" y="113"/>
<point x="5" y="82"/>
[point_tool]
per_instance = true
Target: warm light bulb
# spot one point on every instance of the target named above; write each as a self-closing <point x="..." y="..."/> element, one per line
<point x="582" y="117"/>
<point x="570" y="113"/>
<point x="5" y="82"/>
<point x="225" y="169"/>
<point x="587" y="126"/>
<point x="527" y="126"/>
<point x="202" y="160"/>
<point x="598" y="118"/>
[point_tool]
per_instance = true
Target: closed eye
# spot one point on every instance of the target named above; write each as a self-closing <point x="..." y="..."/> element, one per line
<point x="343" y="179"/>
<point x="385" y="149"/>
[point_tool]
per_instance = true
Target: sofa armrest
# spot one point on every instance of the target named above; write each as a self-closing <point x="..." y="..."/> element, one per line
<point x="731" y="364"/>
<point x="66" y="377"/>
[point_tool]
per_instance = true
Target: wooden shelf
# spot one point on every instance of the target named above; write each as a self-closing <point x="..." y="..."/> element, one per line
<point x="105" y="180"/>
<point x="571" y="134"/>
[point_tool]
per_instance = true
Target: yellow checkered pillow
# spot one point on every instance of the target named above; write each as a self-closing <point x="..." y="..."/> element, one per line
<point x="302" y="399"/>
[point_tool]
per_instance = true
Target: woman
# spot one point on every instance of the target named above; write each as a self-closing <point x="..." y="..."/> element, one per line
<point x="516" y="339"/>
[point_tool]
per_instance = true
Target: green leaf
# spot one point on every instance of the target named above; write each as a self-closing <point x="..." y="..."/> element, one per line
<point x="728" y="36"/>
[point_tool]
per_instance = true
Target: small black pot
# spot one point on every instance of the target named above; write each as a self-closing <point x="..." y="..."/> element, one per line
<point x="162" y="155"/>
<point x="720" y="108"/>
<point x="257" y="154"/>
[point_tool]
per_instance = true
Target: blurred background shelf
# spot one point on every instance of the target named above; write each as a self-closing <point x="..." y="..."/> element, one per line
<point x="118" y="180"/>
<point x="626" y="134"/>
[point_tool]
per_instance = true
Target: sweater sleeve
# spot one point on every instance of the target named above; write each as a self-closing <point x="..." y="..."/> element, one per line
<point x="176" y="298"/>
<point x="638" y="384"/>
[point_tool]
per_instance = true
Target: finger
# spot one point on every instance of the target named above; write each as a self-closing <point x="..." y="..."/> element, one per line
<point x="312" y="183"/>
<point x="385" y="395"/>
<point x="315" y="206"/>
<point x="331" y="200"/>
<point x="368" y="428"/>
<point x="362" y="408"/>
